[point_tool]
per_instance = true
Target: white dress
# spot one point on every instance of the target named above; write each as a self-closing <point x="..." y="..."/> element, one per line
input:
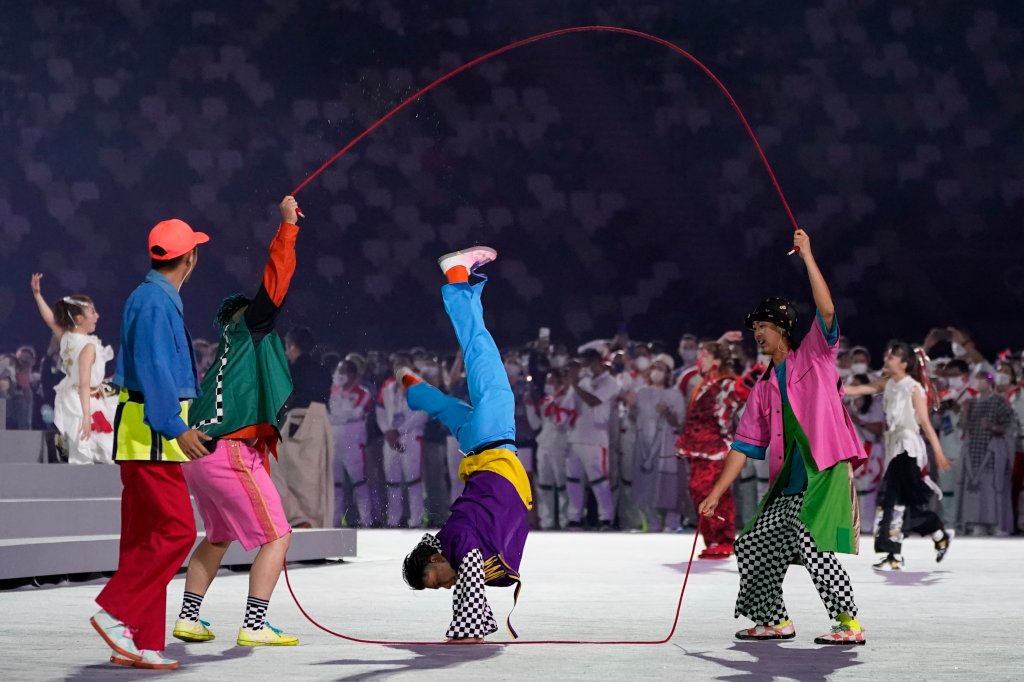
<point x="67" y="408"/>
<point x="902" y="431"/>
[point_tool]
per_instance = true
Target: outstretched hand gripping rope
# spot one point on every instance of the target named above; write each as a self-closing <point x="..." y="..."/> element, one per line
<point x="554" y="34"/>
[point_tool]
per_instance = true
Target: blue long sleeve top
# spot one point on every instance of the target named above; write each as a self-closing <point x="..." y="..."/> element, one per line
<point x="155" y="356"/>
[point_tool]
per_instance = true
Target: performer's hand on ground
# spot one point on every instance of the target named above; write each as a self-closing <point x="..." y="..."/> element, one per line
<point x="466" y="640"/>
<point x="708" y="506"/>
<point x="191" y="443"/>
<point x="802" y="241"/>
<point x="290" y="210"/>
<point x="36" y="279"/>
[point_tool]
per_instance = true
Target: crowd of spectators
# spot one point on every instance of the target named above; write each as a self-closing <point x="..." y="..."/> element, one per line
<point x="538" y="370"/>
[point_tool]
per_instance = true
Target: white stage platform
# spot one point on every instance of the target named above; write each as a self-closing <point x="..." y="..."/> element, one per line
<point x="951" y="621"/>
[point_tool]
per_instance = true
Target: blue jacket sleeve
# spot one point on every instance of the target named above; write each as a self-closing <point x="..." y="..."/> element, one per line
<point x="154" y="345"/>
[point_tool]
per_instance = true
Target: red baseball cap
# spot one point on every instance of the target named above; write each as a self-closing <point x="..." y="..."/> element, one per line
<point x="172" y="238"/>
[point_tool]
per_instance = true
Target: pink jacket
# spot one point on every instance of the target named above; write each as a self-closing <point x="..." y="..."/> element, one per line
<point x="815" y="394"/>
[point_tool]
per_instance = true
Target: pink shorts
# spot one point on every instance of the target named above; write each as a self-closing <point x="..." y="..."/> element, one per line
<point x="235" y="496"/>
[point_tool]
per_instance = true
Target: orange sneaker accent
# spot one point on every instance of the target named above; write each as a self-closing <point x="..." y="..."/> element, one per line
<point x="410" y="380"/>
<point x="457" y="274"/>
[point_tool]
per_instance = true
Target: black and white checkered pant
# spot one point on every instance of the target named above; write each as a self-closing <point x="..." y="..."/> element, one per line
<point x="764" y="554"/>
<point x="471" y="614"/>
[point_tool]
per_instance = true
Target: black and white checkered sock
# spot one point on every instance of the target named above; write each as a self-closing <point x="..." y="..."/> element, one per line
<point x="255" y="613"/>
<point x="190" y="606"/>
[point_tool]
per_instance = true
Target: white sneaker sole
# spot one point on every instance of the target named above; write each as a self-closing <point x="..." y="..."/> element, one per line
<point x="470" y="258"/>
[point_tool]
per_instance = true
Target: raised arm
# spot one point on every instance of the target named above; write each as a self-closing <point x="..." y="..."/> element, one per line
<point x="277" y="274"/>
<point x="819" y="289"/>
<point x="876" y="386"/>
<point x="44" y="309"/>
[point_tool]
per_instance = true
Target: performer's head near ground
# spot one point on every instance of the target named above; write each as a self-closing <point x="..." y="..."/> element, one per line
<point x="426" y="568"/>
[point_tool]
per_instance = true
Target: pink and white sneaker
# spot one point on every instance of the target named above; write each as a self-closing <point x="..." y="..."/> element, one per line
<point x="116" y="634"/>
<point x="471" y="258"/>
<point x="758" y="632"/>
<point x="151" y="660"/>
<point x="843" y="635"/>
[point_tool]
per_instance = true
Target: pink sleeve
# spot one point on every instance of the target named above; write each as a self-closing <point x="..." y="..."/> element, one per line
<point x="816" y="345"/>
<point x="754" y="428"/>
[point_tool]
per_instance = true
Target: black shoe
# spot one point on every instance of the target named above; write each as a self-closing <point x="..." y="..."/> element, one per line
<point x="574" y="526"/>
<point x="605" y="526"/>
<point x="889" y="563"/>
<point x="942" y="546"/>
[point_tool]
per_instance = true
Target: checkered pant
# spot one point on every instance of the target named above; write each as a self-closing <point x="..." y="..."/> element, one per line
<point x="471" y="614"/>
<point x="764" y="554"/>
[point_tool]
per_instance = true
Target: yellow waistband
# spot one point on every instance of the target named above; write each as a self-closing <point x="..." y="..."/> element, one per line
<point x="503" y="462"/>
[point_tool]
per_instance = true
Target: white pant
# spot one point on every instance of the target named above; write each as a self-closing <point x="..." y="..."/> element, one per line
<point x="350" y="463"/>
<point x="404" y="467"/>
<point x="591" y="460"/>
<point x="551" y="479"/>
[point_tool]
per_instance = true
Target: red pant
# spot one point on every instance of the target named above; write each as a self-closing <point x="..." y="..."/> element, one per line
<point x="703" y="473"/>
<point x="157" y="533"/>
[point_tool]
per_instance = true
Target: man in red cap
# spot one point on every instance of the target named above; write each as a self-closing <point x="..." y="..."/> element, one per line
<point x="156" y="371"/>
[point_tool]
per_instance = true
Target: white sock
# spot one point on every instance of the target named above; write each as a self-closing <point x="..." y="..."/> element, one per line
<point x="938" y="535"/>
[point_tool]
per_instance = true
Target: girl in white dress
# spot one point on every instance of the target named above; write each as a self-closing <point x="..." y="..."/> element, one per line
<point x="906" y="490"/>
<point x="82" y="391"/>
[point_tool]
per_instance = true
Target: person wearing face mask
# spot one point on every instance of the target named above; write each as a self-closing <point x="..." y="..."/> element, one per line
<point x="559" y="356"/>
<point x="795" y="418"/>
<point x="348" y="407"/>
<point x="860" y="361"/>
<point x="403" y="427"/>
<point x="157" y="374"/>
<point x="955" y="390"/>
<point x="704" y="441"/>
<point x="552" y="417"/>
<point x="658" y="411"/>
<point x="987" y="422"/>
<point x="843" y="363"/>
<point x="687" y="376"/>
<point x="623" y="441"/>
<point x="84" y="405"/>
<point x="594" y="393"/>
<point x="906" y="490"/>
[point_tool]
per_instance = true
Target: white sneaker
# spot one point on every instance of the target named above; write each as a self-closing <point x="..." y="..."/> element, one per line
<point x="116" y="634"/>
<point x="470" y="258"/>
<point x="151" y="660"/>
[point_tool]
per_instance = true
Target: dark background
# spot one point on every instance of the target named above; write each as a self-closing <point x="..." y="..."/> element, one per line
<point x="893" y="127"/>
